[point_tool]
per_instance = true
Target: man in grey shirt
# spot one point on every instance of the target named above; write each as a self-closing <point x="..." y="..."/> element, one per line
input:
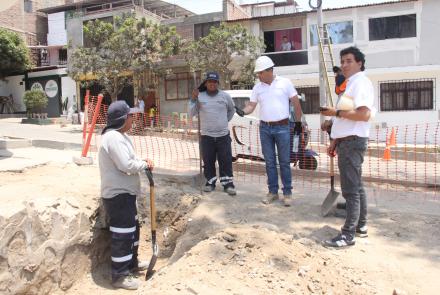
<point x="120" y="184"/>
<point x="216" y="109"/>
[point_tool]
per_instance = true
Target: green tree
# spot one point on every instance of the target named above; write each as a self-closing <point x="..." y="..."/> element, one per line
<point x="14" y="55"/>
<point x="222" y="46"/>
<point x="122" y="51"/>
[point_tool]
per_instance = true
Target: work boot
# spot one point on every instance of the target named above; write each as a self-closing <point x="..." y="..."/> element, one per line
<point x="126" y="282"/>
<point x="209" y="188"/>
<point x="230" y="190"/>
<point x="270" y="197"/>
<point x="286" y="200"/>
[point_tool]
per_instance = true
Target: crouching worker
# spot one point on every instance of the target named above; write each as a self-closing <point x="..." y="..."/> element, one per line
<point x="216" y="109"/>
<point x="120" y="184"/>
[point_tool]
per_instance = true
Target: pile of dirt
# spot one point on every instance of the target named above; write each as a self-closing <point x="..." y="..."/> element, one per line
<point x="256" y="260"/>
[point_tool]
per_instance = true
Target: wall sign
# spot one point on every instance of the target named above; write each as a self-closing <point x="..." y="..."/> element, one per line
<point x="37" y="86"/>
<point x="51" y="88"/>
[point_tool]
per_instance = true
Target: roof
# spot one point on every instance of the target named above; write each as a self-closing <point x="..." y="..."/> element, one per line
<point x="304" y="12"/>
<point x="156" y="6"/>
<point x="365" y="5"/>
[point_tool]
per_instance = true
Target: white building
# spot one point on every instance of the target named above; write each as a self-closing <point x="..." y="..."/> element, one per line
<point x="398" y="38"/>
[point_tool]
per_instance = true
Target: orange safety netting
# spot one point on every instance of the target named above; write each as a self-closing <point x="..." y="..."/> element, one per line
<point x="398" y="158"/>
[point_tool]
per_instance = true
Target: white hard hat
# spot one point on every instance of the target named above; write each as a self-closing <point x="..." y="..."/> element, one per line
<point x="262" y="63"/>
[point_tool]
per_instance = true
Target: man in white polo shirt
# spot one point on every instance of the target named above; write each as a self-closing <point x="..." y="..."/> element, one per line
<point x="273" y="93"/>
<point x="349" y="134"/>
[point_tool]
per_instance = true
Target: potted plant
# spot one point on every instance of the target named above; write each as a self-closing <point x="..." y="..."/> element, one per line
<point x="35" y="101"/>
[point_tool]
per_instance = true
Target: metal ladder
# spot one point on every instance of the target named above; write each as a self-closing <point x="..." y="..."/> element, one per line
<point x="326" y="51"/>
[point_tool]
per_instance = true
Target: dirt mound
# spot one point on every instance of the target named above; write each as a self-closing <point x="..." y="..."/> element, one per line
<point x="254" y="260"/>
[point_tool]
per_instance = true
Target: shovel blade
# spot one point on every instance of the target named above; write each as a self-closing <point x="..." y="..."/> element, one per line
<point x="329" y="202"/>
<point x="150" y="270"/>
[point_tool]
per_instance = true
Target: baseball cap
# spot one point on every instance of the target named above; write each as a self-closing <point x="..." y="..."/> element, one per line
<point x="117" y="114"/>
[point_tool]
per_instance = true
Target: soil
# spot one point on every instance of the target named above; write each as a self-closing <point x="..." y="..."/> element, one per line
<point x="217" y="244"/>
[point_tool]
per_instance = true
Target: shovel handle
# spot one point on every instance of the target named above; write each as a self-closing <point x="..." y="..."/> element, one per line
<point x="332" y="172"/>
<point x="149" y="174"/>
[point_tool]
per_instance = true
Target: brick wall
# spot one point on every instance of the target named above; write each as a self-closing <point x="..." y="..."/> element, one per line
<point x="31" y="26"/>
<point x="233" y="10"/>
<point x="185" y="31"/>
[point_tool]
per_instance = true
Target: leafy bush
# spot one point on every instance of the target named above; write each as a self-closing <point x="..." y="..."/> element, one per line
<point x="14" y="55"/>
<point x="35" y="101"/>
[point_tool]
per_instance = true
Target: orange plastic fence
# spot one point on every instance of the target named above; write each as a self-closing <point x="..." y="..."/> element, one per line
<point x="398" y="158"/>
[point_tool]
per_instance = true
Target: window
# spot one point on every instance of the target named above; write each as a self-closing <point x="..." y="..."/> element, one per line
<point x="179" y="85"/>
<point x="27" y="6"/>
<point x="340" y="32"/>
<point x="62" y="56"/>
<point x="202" y="30"/>
<point x="402" y="26"/>
<point x="407" y="95"/>
<point x="283" y="40"/>
<point x="311" y="95"/>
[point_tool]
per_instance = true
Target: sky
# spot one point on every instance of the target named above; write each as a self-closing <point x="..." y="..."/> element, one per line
<point x="207" y="6"/>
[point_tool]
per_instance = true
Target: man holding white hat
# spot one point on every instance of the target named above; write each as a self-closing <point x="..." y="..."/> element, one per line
<point x="273" y="93"/>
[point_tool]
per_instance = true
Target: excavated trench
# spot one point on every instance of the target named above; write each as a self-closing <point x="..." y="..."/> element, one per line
<point x="174" y="205"/>
<point x="50" y="233"/>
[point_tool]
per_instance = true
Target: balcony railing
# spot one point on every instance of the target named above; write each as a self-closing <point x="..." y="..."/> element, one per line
<point x="290" y="58"/>
<point x="46" y="62"/>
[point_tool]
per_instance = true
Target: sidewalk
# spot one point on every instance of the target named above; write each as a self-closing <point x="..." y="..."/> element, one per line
<point x="70" y="134"/>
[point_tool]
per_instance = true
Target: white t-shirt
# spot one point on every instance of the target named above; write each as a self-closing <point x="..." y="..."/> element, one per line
<point x="360" y="90"/>
<point x="273" y="98"/>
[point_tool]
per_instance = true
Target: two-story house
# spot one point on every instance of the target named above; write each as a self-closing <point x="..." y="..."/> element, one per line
<point x="68" y="21"/>
<point x="398" y="39"/>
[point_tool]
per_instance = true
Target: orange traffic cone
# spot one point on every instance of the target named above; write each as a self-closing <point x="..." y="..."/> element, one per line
<point x="387" y="152"/>
<point x="393" y="138"/>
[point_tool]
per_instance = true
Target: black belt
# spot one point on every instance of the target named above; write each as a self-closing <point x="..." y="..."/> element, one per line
<point x="277" y="123"/>
<point x="347" y="138"/>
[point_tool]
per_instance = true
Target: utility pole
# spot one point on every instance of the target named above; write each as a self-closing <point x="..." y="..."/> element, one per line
<point x="322" y="84"/>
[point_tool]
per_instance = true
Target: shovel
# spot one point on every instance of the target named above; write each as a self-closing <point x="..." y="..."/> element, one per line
<point x="332" y="195"/>
<point x="153" y="259"/>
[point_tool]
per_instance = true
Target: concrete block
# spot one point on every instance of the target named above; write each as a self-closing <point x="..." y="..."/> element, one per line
<point x="82" y="160"/>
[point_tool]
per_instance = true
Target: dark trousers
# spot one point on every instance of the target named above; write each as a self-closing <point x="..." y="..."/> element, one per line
<point x="124" y="227"/>
<point x="350" y="158"/>
<point x="217" y="148"/>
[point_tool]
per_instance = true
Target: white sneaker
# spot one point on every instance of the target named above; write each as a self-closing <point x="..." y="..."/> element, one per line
<point x="126" y="282"/>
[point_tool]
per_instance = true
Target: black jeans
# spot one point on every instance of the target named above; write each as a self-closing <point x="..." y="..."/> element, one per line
<point x="124" y="226"/>
<point x="217" y="148"/>
<point x="350" y="158"/>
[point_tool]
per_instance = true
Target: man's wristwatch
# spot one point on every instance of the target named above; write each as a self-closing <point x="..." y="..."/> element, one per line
<point x="338" y="113"/>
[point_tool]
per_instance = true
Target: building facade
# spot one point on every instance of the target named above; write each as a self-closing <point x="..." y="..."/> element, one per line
<point x="397" y="38"/>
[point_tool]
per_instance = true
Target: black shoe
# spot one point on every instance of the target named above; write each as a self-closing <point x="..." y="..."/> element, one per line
<point x="342" y="206"/>
<point x="362" y="232"/>
<point x="339" y="241"/>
